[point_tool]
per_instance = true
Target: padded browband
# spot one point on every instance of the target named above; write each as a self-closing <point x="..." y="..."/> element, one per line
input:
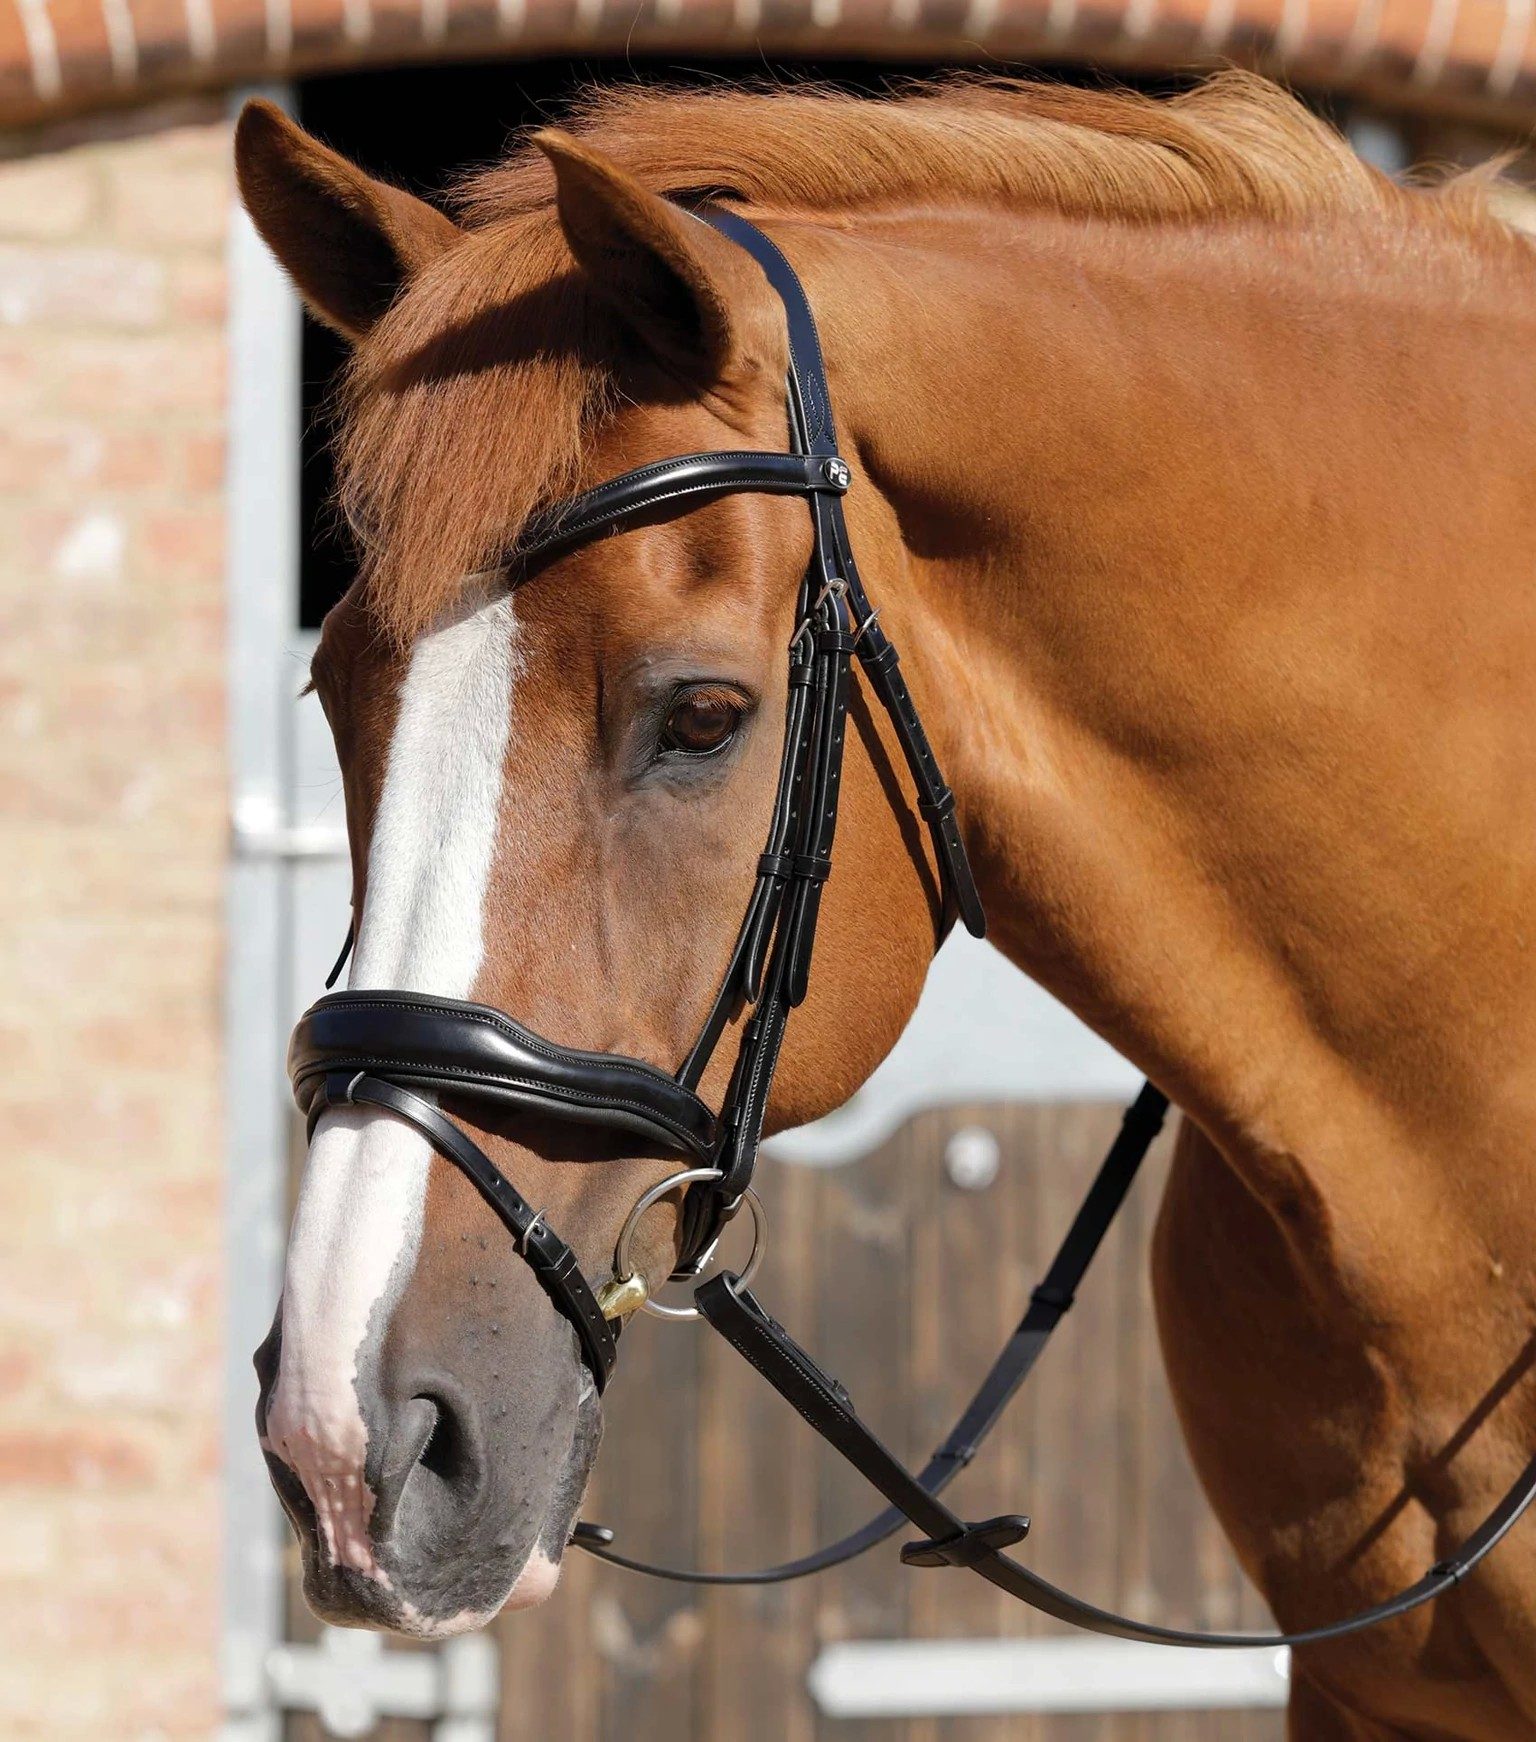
<point x="444" y="1044"/>
<point x="687" y="479"/>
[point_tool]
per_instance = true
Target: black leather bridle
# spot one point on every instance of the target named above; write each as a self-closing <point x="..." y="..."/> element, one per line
<point x="391" y="1050"/>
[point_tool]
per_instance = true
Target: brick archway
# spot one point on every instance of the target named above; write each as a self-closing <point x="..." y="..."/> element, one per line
<point x="1473" y="58"/>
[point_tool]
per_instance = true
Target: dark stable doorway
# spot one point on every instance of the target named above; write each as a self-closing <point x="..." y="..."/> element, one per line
<point x="420" y="127"/>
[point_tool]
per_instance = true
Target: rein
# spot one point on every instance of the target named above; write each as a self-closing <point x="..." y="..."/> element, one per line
<point x="394" y="1050"/>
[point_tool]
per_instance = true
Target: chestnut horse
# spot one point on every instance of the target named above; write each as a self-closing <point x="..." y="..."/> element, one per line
<point x="1195" y="469"/>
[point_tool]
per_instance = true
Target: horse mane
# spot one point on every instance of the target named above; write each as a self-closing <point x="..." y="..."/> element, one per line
<point x="1233" y="145"/>
<point x="504" y="312"/>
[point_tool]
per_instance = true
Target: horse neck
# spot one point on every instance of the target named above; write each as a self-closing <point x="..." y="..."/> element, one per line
<point x="1216" y="578"/>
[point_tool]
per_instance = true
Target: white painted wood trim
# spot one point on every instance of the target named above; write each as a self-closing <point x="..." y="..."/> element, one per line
<point x="352" y="1680"/>
<point x="262" y="590"/>
<point x="962" y="1677"/>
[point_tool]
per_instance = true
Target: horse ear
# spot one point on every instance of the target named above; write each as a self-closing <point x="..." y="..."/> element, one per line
<point x="348" y="242"/>
<point x="679" y="285"/>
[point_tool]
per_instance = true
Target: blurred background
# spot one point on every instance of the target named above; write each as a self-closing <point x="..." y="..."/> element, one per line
<point x="172" y="862"/>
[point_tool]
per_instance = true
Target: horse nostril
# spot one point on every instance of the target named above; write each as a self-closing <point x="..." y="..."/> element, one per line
<point x="446" y="1452"/>
<point x="422" y="1435"/>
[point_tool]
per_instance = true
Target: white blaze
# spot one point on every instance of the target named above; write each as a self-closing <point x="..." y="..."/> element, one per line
<point x="359" y="1214"/>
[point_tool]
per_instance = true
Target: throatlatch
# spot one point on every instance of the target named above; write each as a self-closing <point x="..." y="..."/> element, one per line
<point x="391" y="1050"/>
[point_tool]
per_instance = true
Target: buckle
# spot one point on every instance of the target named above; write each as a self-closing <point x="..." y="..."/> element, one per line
<point x="867" y="624"/>
<point x="836" y="588"/>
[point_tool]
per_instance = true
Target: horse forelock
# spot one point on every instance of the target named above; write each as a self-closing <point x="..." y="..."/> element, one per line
<point x="464" y="411"/>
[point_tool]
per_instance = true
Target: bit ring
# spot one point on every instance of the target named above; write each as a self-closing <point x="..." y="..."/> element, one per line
<point x="622" y="1267"/>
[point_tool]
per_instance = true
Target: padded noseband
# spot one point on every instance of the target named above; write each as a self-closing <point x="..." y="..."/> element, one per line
<point x="472" y="1050"/>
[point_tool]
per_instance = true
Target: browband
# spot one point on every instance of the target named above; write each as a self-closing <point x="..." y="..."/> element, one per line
<point x="688" y="480"/>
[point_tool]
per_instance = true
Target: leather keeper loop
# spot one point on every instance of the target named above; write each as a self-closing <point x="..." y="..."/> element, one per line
<point x="882" y="658"/>
<point x="813" y="867"/>
<point x="775" y="864"/>
<point x="938" y="809"/>
<point x="833" y="641"/>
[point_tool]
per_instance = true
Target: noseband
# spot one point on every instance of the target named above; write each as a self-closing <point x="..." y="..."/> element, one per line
<point x="394" y="1050"/>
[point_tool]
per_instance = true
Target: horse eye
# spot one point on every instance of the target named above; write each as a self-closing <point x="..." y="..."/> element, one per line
<point x="701" y="721"/>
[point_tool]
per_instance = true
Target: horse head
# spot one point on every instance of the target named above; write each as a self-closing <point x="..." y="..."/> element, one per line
<point x="558" y="780"/>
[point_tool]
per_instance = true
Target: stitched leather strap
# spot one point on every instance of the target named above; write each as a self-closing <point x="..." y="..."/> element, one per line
<point x="743" y="979"/>
<point x="811" y="822"/>
<point x="549" y="1257"/>
<point x="819" y="806"/>
<point x="935" y="801"/>
<point x="949" y="1541"/>
<point x="807" y="367"/>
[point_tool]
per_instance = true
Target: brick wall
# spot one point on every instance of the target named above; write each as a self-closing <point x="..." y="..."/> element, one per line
<point x="112" y="851"/>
